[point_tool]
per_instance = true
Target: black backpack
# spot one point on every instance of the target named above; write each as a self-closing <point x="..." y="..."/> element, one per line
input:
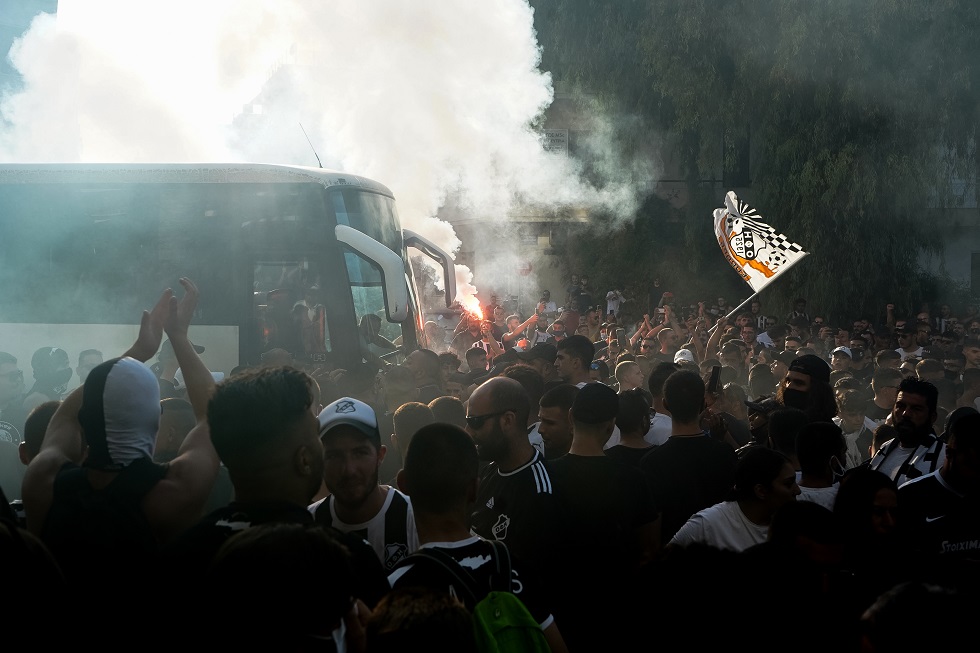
<point x="501" y="621"/>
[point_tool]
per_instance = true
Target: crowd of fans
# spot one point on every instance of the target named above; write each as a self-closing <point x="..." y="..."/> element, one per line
<point x="691" y="476"/>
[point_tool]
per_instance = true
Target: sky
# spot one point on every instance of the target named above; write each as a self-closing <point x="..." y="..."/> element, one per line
<point x="432" y="99"/>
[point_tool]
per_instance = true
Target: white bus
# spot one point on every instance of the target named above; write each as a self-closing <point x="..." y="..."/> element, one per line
<point x="285" y="257"/>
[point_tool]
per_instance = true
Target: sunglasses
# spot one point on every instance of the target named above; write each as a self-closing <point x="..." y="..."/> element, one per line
<point x="16" y="375"/>
<point x="477" y="421"/>
<point x="646" y="346"/>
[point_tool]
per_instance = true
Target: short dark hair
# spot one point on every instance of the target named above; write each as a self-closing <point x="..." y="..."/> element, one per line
<point x="816" y="444"/>
<point x="7" y="359"/>
<point x="251" y="411"/>
<point x="579" y="347"/>
<point x="912" y="385"/>
<point x="885" y="377"/>
<point x="964" y="433"/>
<point x="473" y="352"/>
<point x="784" y="425"/>
<point x="561" y="396"/>
<point x="88" y="352"/>
<point x="886" y="355"/>
<point x="684" y="395"/>
<point x="408" y="419"/>
<point x="528" y="377"/>
<point x="448" y="410"/>
<point x="431" y="364"/>
<point x="659" y="375"/>
<point x="757" y="465"/>
<point x="418" y="618"/>
<point x="634" y="412"/>
<point x="440" y="465"/>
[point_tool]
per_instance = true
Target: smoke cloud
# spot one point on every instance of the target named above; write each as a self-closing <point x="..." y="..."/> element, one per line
<point x="436" y="100"/>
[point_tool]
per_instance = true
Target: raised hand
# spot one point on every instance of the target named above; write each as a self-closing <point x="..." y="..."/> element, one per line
<point x="151" y="328"/>
<point x="180" y="313"/>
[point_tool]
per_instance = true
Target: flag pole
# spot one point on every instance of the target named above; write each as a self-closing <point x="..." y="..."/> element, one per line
<point x="789" y="264"/>
<point x="736" y="310"/>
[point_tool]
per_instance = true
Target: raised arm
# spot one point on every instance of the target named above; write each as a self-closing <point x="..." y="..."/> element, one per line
<point x="63" y="441"/>
<point x="197" y="377"/>
<point x="177" y="502"/>
<point x="507" y="337"/>
<point x="715" y="338"/>
<point x="641" y="332"/>
<point x="696" y="339"/>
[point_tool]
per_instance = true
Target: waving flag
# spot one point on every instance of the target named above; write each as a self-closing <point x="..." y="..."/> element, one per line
<point x="754" y="249"/>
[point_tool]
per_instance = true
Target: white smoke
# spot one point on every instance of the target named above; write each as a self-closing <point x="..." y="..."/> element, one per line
<point x="431" y="98"/>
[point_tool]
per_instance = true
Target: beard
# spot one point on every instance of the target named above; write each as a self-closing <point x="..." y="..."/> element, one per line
<point x="909" y="433"/>
<point x="351" y="492"/>
<point x="492" y="446"/>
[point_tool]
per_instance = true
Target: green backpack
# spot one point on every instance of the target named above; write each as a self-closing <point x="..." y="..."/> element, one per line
<point x="501" y="621"/>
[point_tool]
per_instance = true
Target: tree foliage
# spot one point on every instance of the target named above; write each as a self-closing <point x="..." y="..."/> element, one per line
<point x="860" y="117"/>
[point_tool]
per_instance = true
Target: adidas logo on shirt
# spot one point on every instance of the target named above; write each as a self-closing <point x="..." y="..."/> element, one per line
<point x="490" y="503"/>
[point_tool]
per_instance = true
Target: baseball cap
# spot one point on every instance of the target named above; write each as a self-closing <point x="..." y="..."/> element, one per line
<point x="542" y="350"/>
<point x="595" y="403"/>
<point x="812" y="365"/>
<point x="842" y="350"/>
<point x="684" y="356"/>
<point x="348" y="411"/>
<point x="763" y="405"/>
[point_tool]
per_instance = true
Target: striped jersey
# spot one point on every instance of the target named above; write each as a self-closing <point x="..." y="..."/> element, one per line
<point x="391" y="532"/>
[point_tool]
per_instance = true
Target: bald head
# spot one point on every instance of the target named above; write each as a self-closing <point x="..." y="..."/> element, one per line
<point x="503" y="393"/>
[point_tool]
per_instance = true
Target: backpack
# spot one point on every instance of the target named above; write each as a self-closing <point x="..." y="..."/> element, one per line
<point x="501" y="621"/>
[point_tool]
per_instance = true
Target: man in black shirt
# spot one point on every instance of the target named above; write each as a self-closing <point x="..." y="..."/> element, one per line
<point x="440" y="476"/>
<point x="515" y="502"/>
<point x="942" y="509"/>
<point x="265" y="432"/>
<point x="609" y="521"/>
<point x="691" y="471"/>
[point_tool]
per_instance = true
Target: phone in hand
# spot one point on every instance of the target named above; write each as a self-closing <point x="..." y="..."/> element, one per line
<point x="621" y="335"/>
<point x="713" y="380"/>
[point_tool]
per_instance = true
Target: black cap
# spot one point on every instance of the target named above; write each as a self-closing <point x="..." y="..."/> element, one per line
<point x="595" y="403"/>
<point x="542" y="350"/>
<point x="811" y="364"/>
<point x="763" y="405"/>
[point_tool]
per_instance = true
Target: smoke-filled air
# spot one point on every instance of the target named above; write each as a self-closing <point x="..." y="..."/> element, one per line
<point x="433" y="99"/>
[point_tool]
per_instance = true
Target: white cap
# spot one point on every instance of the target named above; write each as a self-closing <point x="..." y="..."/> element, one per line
<point x="350" y="412"/>
<point x="684" y="356"/>
<point x="842" y="350"/>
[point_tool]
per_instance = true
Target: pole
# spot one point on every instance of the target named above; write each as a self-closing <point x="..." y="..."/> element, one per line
<point x="737" y="309"/>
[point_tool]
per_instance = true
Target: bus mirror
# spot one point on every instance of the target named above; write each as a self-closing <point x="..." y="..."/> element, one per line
<point x="391" y="265"/>
<point x="438" y="254"/>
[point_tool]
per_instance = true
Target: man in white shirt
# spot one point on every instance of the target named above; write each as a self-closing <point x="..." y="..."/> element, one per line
<point x="764" y="481"/>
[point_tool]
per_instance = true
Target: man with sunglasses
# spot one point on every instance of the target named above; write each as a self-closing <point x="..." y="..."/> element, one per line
<point x="514" y="501"/>
<point x="907" y="344"/>
<point x="11" y="399"/>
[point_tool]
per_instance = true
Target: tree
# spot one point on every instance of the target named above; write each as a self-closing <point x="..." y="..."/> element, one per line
<point x="860" y="117"/>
